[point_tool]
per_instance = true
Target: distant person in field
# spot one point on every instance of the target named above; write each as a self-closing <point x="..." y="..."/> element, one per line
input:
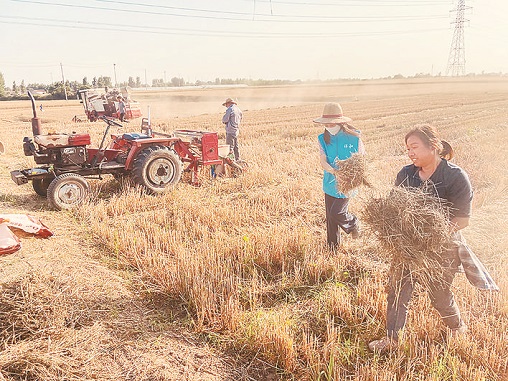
<point x="338" y="142"/>
<point x="232" y="119"/>
<point x="432" y="171"/>
<point x="121" y="108"/>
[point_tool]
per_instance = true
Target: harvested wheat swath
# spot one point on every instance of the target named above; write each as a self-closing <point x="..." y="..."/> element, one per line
<point x="413" y="226"/>
<point x="351" y="173"/>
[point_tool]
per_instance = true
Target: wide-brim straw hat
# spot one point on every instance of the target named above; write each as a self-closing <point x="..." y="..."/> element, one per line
<point x="229" y="100"/>
<point x="332" y="113"/>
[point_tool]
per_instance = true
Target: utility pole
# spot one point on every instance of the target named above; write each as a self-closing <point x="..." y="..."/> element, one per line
<point x="457" y="57"/>
<point x="114" y="69"/>
<point x="63" y="81"/>
<point x="146" y="82"/>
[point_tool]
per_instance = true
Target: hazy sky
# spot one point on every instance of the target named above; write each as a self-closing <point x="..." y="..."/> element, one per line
<point x="197" y="39"/>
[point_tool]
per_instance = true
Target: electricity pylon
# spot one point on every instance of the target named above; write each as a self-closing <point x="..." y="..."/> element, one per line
<point x="457" y="58"/>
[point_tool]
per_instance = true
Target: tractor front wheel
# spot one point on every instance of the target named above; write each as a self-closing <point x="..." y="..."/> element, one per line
<point x="156" y="168"/>
<point x="41" y="186"/>
<point x="67" y="191"/>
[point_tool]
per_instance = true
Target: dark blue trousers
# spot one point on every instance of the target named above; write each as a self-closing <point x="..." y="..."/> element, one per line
<point x="337" y="215"/>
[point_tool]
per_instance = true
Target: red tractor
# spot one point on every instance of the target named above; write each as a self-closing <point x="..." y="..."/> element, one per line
<point x="97" y="105"/>
<point x="66" y="161"/>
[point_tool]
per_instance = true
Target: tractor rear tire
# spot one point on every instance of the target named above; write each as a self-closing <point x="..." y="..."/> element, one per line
<point x="67" y="191"/>
<point x="156" y="168"/>
<point x="41" y="185"/>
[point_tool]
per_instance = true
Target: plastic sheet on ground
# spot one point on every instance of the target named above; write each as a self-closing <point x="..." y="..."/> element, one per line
<point x="9" y="243"/>
<point x="27" y="223"/>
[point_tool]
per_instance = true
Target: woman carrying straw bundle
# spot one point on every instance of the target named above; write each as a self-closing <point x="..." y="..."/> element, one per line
<point x="433" y="173"/>
<point x="338" y="142"/>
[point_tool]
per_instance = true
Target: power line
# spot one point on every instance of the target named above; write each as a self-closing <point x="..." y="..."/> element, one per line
<point x="271" y="18"/>
<point x="195" y="32"/>
<point x="387" y="3"/>
<point x="222" y="12"/>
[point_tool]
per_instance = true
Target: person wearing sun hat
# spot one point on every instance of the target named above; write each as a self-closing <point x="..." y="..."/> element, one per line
<point x="338" y="141"/>
<point x="231" y="119"/>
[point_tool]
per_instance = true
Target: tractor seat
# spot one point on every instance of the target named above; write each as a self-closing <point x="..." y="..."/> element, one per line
<point x="62" y="140"/>
<point x="134" y="136"/>
<point x="56" y="140"/>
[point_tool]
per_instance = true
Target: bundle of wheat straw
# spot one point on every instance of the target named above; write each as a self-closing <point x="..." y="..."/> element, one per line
<point x="351" y="173"/>
<point x="413" y="226"/>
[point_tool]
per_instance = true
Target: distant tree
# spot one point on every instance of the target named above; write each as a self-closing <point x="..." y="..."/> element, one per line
<point x="94" y="82"/>
<point x="227" y="81"/>
<point x="57" y="90"/>
<point x="158" y="82"/>
<point x="131" y="82"/>
<point x="74" y="85"/>
<point x="138" y="82"/>
<point x="2" y="85"/>
<point x="177" y="82"/>
<point x="85" y="81"/>
<point x="14" y="87"/>
<point x="104" y="82"/>
<point x="22" y="87"/>
<point x="39" y="86"/>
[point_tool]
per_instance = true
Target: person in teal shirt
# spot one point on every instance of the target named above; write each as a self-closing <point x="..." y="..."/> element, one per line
<point x="338" y="142"/>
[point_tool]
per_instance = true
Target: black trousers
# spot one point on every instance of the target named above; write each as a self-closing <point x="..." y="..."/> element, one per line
<point x="337" y="215"/>
<point x="440" y="295"/>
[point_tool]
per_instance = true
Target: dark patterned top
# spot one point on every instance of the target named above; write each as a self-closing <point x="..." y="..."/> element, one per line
<point x="448" y="182"/>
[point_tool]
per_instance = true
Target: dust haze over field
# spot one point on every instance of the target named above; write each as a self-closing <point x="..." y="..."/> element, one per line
<point x="178" y="103"/>
<point x="232" y="280"/>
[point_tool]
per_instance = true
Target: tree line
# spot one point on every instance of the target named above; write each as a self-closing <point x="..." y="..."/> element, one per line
<point x="58" y="90"/>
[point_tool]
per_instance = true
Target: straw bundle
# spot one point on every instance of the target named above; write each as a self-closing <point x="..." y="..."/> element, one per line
<point x="350" y="173"/>
<point x="413" y="227"/>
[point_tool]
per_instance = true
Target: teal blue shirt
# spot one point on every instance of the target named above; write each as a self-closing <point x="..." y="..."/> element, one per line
<point x="342" y="146"/>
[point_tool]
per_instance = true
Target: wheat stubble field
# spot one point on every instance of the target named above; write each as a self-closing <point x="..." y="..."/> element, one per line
<point x="232" y="280"/>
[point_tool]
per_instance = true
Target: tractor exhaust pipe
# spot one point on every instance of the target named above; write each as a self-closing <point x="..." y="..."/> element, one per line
<point x="36" y="123"/>
<point x="149" y="131"/>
